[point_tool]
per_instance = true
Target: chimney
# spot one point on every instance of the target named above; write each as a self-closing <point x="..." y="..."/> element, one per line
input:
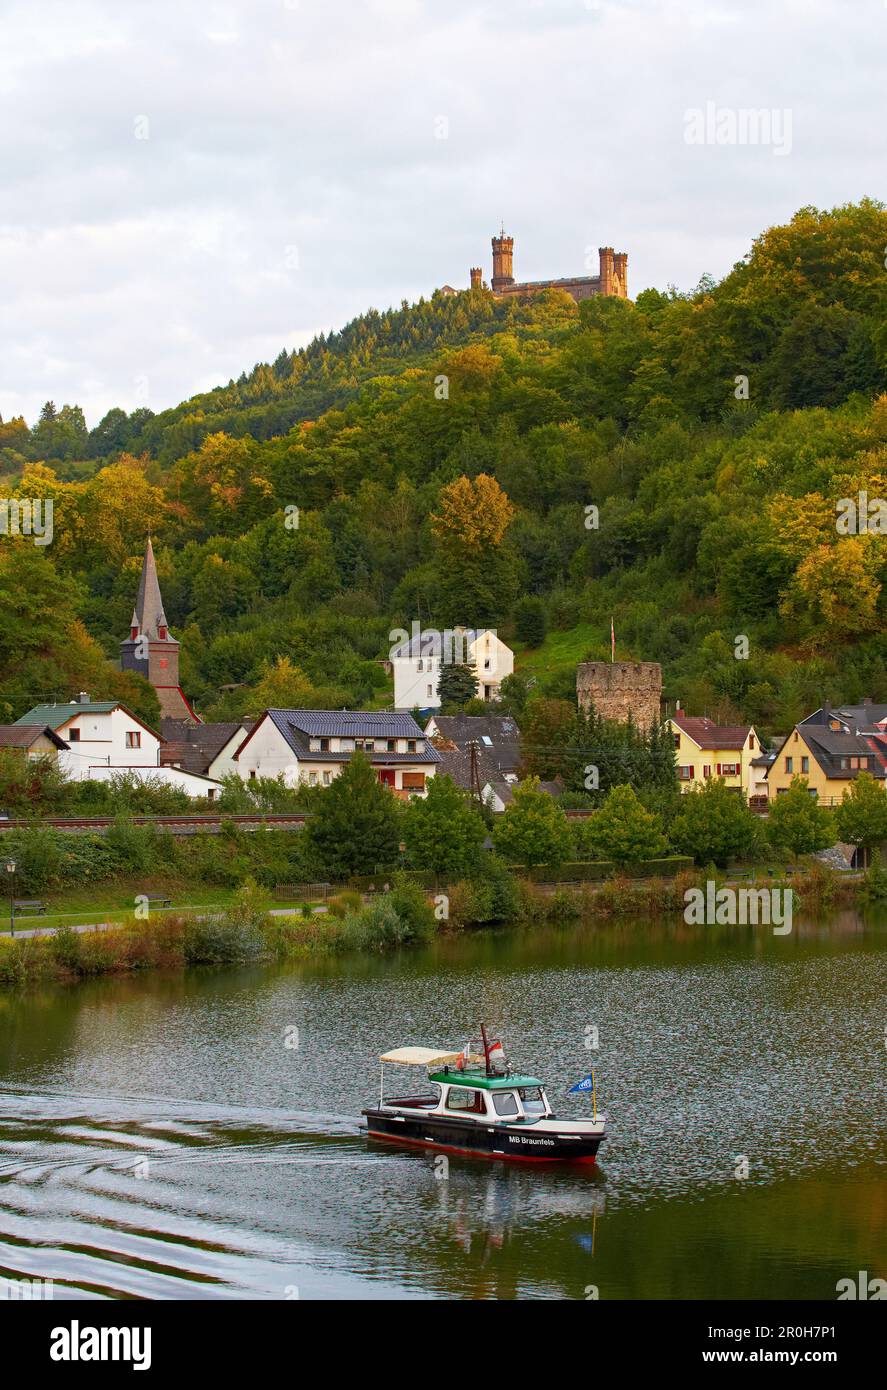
<point x="867" y="701"/>
<point x="83" y="698"/>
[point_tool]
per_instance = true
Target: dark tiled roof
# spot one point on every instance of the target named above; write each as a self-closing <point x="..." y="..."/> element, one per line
<point x="25" y="735"/>
<point x="193" y="747"/>
<point x="299" y="726"/>
<point x="707" y="734"/>
<point x="433" y="643"/>
<point x="503" y="753"/>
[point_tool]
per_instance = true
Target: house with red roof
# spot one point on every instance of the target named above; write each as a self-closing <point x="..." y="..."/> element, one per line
<point x="704" y="750"/>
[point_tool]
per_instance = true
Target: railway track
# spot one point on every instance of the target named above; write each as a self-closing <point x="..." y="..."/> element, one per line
<point x="183" y="824"/>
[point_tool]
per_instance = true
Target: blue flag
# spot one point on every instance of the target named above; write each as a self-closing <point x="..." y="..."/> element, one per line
<point x="586" y="1085"/>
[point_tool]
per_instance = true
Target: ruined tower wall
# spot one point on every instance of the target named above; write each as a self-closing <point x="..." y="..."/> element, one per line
<point x="619" y="688"/>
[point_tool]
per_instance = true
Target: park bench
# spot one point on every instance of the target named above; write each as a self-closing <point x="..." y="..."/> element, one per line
<point x="29" y="905"/>
<point x="157" y="899"/>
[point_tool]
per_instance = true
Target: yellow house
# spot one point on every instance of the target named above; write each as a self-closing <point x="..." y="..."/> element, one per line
<point x="830" y="759"/>
<point x="32" y="741"/>
<point x="704" y="750"/>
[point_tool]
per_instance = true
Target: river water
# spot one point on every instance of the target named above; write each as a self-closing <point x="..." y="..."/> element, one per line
<point x="161" y="1137"/>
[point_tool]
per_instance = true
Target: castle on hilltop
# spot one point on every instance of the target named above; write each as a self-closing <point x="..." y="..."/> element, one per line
<point x="612" y="278"/>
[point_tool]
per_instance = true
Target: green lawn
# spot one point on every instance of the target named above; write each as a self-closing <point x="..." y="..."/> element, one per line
<point x="114" y="902"/>
<point x="560" y="651"/>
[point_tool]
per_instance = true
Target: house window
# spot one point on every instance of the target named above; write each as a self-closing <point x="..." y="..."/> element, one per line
<point x="411" y="745"/>
<point x="429" y="690"/>
<point x="419" y="666"/>
<point x="391" y="745"/>
<point x="312" y="779"/>
<point x="805" y="764"/>
<point x="252" y="774"/>
<point x="73" y="735"/>
<point x="133" y="738"/>
<point x="324" y="745"/>
<point x="211" y="794"/>
<point x="686" y="773"/>
<point x="730" y="769"/>
<point x="326" y="779"/>
<point x="789" y="766"/>
<point x="751" y="741"/>
<point x="706" y="771"/>
<point x="677" y="740"/>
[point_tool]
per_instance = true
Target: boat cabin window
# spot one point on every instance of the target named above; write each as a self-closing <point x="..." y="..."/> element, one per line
<point x="471" y="1102"/>
<point x="505" y="1102"/>
<point x="531" y="1098"/>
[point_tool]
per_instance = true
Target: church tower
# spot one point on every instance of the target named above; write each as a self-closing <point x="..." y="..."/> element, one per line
<point x="149" y="649"/>
<point x="503" y="253"/>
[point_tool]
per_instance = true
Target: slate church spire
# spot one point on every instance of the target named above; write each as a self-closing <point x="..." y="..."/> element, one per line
<point x="150" y="650"/>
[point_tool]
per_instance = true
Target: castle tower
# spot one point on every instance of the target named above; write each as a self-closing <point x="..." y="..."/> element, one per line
<point x="150" y="651"/>
<point x="477" y="277"/>
<point x="503" y="253"/>
<point x="608" y="281"/>
<point x="617" y="689"/>
<point x="620" y="267"/>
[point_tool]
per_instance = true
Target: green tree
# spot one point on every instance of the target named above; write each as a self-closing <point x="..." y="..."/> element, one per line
<point x="442" y="830"/>
<point x="798" y="823"/>
<point x="355" y="824"/>
<point x="623" y="831"/>
<point x="456" y="684"/>
<point x="533" y="829"/>
<point x="714" y="824"/>
<point x="861" y="817"/>
<point x="530" y="620"/>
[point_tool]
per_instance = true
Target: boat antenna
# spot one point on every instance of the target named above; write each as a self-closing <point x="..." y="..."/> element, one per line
<point x="483" y="1033"/>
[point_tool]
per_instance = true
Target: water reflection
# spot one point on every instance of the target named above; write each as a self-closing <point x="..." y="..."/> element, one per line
<point x="157" y="1139"/>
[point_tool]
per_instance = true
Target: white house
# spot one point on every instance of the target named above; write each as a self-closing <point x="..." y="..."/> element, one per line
<point x="417" y="663"/>
<point x="313" y="746"/>
<point x="105" y="739"/>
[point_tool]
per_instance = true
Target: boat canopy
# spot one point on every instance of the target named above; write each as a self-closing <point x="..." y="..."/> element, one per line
<point x="421" y="1056"/>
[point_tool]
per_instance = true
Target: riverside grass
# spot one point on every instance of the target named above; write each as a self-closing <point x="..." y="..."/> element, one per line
<point x="246" y="933"/>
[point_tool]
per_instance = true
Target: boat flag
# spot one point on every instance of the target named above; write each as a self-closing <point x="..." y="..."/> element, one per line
<point x="587" y="1084"/>
<point x="496" y="1057"/>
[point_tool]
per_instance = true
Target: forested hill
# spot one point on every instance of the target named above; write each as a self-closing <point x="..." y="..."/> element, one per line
<point x="449" y="462"/>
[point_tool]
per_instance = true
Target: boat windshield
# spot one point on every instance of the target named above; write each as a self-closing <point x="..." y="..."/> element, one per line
<point x="505" y="1103"/>
<point x="532" y="1100"/>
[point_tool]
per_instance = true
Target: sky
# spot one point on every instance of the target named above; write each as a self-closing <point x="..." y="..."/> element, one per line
<point x="189" y="187"/>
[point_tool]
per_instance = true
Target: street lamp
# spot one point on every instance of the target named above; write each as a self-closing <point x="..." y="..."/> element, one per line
<point x="11" y="867"/>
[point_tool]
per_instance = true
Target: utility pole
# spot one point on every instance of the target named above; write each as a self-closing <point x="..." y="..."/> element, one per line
<point x="473" y="748"/>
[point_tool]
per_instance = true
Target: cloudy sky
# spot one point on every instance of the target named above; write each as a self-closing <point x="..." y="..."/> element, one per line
<point x="188" y="187"/>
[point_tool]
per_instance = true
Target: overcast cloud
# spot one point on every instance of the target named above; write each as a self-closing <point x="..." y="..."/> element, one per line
<point x="293" y="173"/>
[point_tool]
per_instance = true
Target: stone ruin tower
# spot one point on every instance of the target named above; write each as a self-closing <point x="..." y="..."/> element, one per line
<point x="618" y="689"/>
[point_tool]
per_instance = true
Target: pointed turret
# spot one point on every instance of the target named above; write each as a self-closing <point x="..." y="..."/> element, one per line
<point x="148" y="617"/>
<point x="150" y="650"/>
